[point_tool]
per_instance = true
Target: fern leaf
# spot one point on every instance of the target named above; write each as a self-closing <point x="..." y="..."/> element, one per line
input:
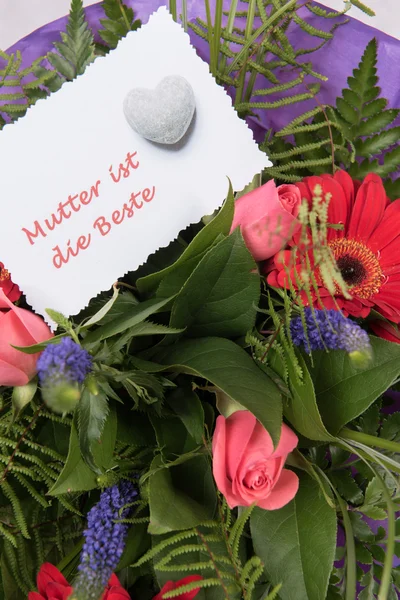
<point x="368" y="11"/>
<point x="119" y="22"/>
<point x="393" y="188"/>
<point x="17" y="508"/>
<point x="377" y="143"/>
<point x="76" y="50"/>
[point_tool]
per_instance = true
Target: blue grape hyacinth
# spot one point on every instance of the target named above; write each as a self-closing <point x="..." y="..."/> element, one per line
<point x="329" y="330"/>
<point x="62" y="368"/>
<point x="104" y="541"/>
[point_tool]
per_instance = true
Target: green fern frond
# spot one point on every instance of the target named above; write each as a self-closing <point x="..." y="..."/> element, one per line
<point x="274" y="594"/>
<point x="76" y="50"/>
<point x="17" y="508"/>
<point x="368" y="11"/>
<point x="264" y="50"/>
<point x="119" y="21"/>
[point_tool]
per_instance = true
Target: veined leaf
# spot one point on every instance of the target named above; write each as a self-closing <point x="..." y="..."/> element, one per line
<point x="221" y="295"/>
<point x="136" y="315"/>
<point x="295" y="549"/>
<point x="93" y="412"/>
<point x="345" y="391"/>
<point x="185" y="265"/>
<point x="230" y="369"/>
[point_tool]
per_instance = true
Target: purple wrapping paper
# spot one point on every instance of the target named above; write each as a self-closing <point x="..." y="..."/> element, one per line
<point x="336" y="59"/>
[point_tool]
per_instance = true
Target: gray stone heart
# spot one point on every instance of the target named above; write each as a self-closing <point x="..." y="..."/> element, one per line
<point x="162" y="115"/>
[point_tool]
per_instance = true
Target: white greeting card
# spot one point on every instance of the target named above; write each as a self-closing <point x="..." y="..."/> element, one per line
<point x="85" y="198"/>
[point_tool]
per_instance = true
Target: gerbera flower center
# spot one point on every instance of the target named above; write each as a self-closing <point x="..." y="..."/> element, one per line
<point x="358" y="265"/>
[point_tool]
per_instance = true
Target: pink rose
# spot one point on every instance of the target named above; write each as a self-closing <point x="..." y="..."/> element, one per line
<point x="267" y="218"/>
<point x="18" y="327"/>
<point x="246" y="467"/>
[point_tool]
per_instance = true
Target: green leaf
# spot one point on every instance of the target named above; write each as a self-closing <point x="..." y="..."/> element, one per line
<point x="391" y="163"/>
<point x="374" y="107"/>
<point x="59" y="318"/>
<point x="296" y="550"/>
<point x="181" y="497"/>
<point x="377" y="143"/>
<point x="174" y="276"/>
<point x="345" y="391"/>
<point x="120" y="20"/>
<point x="346" y="486"/>
<point x="92" y="413"/>
<point x="377" y="122"/>
<point x="391" y="427"/>
<point x="104" y="310"/>
<point x="232" y="370"/>
<point x="76" y="476"/>
<point x="35" y="348"/>
<point x="363" y="555"/>
<point x="361" y="530"/>
<point x="302" y="410"/>
<point x="393" y="188"/>
<point x="347" y="111"/>
<point x="187" y="406"/>
<point x="136" y="315"/>
<point x="76" y="50"/>
<point x="22" y="395"/>
<point x="134" y="428"/>
<point x="221" y="295"/>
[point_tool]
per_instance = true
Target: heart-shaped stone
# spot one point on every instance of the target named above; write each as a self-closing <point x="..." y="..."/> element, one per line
<point x="162" y="115"/>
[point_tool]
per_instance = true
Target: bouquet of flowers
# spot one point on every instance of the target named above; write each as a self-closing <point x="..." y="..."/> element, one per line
<point x="222" y="423"/>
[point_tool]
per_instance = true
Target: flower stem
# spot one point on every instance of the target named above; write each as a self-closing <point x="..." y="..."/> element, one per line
<point x="173" y="10"/>
<point x="369" y="440"/>
<point x="351" y="562"/>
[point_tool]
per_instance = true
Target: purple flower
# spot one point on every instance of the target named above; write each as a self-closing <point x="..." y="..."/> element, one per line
<point x="329" y="330"/>
<point x="104" y="541"/>
<point x="65" y="362"/>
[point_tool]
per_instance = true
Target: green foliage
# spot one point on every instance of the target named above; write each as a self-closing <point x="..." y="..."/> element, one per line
<point x="295" y="548"/>
<point x="336" y="380"/>
<point x="222" y="293"/>
<point x="214" y="550"/>
<point x="20" y="87"/>
<point x="230" y="369"/>
<point x="92" y="416"/>
<point x="76" y="50"/>
<point x="244" y="51"/>
<point x="169" y="281"/>
<point x="119" y="21"/>
<point x="327" y="137"/>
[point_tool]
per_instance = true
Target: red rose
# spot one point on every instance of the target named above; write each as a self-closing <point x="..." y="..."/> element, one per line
<point x="52" y="585"/>
<point x="173" y="585"/>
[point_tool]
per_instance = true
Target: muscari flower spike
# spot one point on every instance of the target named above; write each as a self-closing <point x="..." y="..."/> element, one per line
<point x="62" y="368"/>
<point x="330" y="330"/>
<point x="104" y="541"/>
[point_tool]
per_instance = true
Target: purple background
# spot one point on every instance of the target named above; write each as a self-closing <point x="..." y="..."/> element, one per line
<point x="336" y="59"/>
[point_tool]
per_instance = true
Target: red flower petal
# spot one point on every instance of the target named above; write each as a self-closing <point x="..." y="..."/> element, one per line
<point x="49" y="573"/>
<point x="339" y="204"/>
<point x="369" y="208"/>
<point x="388" y="229"/>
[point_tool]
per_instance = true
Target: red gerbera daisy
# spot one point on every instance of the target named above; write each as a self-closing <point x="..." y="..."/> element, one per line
<point x="366" y="250"/>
